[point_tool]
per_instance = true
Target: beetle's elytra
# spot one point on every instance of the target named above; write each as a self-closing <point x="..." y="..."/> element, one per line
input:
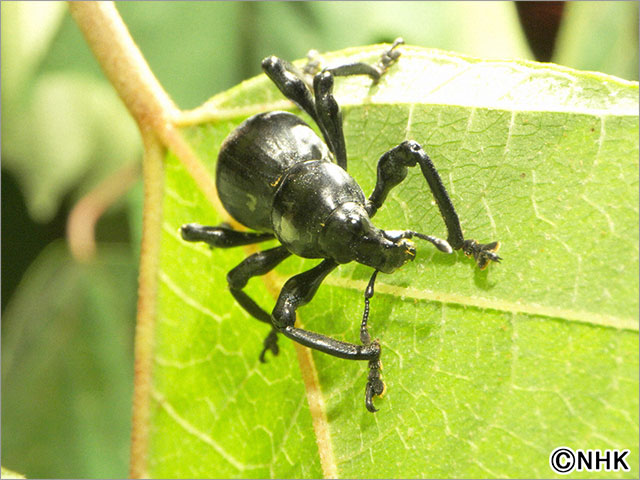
<point x="277" y="177"/>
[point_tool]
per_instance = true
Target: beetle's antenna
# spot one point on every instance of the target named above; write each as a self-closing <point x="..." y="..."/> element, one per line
<point x="365" y="338"/>
<point x="440" y="243"/>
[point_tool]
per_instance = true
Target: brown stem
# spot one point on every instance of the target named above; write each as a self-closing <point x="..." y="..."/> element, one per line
<point x="122" y="62"/>
<point x="153" y="111"/>
<point x="155" y="114"/>
<point x="142" y="94"/>
<point x="85" y="214"/>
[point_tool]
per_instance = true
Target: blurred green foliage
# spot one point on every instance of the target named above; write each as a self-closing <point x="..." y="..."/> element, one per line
<point x="67" y="328"/>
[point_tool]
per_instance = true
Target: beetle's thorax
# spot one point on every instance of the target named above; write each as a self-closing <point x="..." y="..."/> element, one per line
<point x="318" y="212"/>
<point x="307" y="194"/>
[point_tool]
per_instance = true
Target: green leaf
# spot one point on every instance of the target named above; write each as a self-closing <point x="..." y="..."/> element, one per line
<point x="486" y="371"/>
<point x="6" y="473"/>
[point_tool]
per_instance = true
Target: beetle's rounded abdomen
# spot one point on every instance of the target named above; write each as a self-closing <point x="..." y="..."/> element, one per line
<point x="307" y="195"/>
<point x="253" y="159"/>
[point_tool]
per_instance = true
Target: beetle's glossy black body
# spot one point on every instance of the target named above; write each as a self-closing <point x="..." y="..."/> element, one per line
<point x="277" y="177"/>
<point x="288" y="185"/>
<point x="253" y="159"/>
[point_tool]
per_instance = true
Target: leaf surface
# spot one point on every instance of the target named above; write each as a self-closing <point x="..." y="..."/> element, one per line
<point x="486" y="371"/>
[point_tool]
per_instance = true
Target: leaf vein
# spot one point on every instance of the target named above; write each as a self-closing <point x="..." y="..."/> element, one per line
<point x="593" y="318"/>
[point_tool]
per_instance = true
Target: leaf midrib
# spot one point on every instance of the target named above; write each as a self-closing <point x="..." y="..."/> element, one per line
<point x="591" y="318"/>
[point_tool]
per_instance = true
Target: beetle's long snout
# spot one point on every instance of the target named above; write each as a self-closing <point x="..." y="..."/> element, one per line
<point x="382" y="253"/>
<point x="398" y="254"/>
<point x="348" y="235"/>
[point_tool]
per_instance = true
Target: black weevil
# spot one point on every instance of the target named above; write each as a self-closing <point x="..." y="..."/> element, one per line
<point x="276" y="176"/>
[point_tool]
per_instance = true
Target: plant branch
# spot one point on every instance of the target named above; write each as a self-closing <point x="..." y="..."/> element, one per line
<point x="123" y="63"/>
<point x="125" y="67"/>
<point x="86" y="212"/>
<point x="154" y="112"/>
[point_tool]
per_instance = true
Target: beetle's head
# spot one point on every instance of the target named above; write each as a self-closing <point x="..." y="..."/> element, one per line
<point x="348" y="235"/>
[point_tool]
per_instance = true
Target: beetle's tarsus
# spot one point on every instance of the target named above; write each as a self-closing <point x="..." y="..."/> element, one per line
<point x="314" y="63"/>
<point x="483" y="253"/>
<point x="270" y="343"/>
<point x="375" y="386"/>
<point x="389" y="57"/>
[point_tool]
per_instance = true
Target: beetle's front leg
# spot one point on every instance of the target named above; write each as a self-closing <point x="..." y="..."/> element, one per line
<point x="393" y="168"/>
<point x="298" y="291"/>
<point x="375" y="385"/>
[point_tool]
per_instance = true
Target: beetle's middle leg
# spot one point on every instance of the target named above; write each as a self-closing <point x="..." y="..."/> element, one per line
<point x="257" y="264"/>
<point x="221" y="236"/>
<point x="298" y="291"/>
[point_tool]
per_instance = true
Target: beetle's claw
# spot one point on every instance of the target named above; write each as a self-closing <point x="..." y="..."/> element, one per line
<point x="390" y="56"/>
<point x="375" y="386"/>
<point x="270" y="343"/>
<point x="483" y="253"/>
<point x="314" y="63"/>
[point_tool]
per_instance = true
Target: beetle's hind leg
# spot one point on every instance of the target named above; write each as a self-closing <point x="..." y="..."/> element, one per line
<point x="319" y="102"/>
<point x="388" y="57"/>
<point x="313" y="65"/>
<point x="298" y="291"/>
<point x="327" y="108"/>
<point x="375" y="71"/>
